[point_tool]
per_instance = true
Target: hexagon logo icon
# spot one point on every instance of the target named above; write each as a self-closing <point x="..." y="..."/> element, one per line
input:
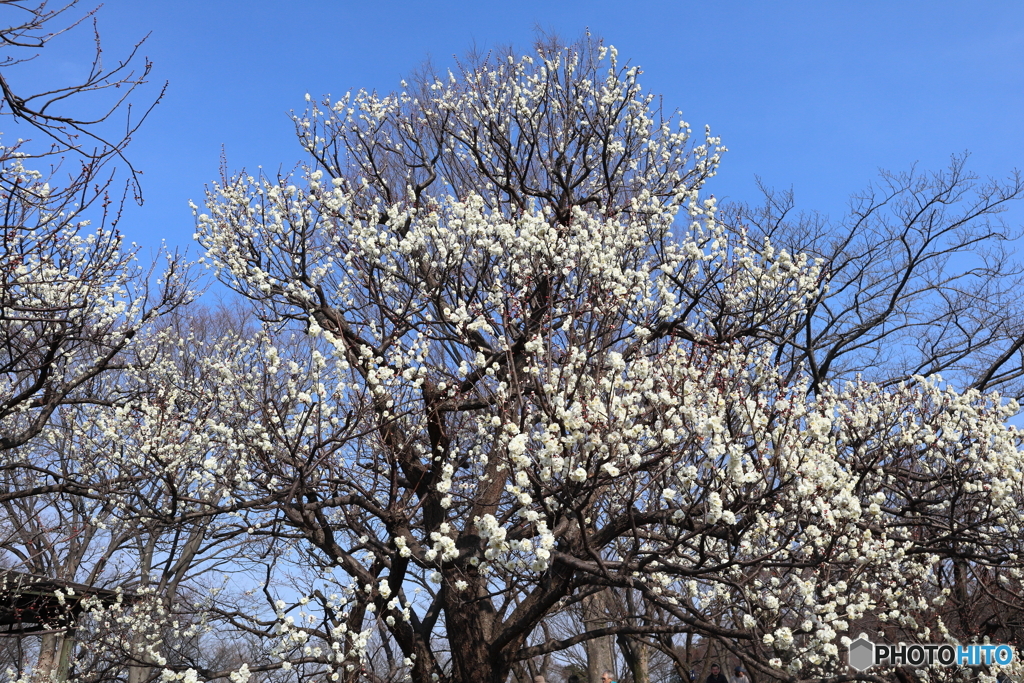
<point x="862" y="654"/>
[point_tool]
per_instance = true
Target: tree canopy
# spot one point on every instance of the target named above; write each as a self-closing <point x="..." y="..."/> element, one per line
<point x="496" y="354"/>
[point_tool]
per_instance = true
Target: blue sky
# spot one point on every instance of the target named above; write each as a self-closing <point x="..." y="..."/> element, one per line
<point x="810" y="95"/>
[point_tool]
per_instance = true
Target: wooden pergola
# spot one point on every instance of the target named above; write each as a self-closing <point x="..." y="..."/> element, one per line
<point x="36" y="605"/>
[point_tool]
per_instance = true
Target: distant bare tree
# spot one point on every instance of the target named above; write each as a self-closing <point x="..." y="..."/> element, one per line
<point x="921" y="280"/>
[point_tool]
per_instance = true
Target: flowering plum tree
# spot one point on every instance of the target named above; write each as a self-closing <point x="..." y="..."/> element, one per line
<point x="73" y="304"/>
<point x="71" y="298"/>
<point x="512" y="357"/>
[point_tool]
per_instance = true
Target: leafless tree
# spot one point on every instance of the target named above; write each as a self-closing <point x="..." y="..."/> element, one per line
<point x="922" y="279"/>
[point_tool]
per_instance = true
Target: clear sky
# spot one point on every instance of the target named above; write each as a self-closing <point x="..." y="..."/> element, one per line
<point x="814" y="95"/>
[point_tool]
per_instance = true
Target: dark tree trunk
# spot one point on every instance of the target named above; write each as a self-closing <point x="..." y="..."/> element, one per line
<point x="469" y="618"/>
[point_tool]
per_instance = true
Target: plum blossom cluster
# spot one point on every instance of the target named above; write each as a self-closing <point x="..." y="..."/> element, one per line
<point x="72" y="298"/>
